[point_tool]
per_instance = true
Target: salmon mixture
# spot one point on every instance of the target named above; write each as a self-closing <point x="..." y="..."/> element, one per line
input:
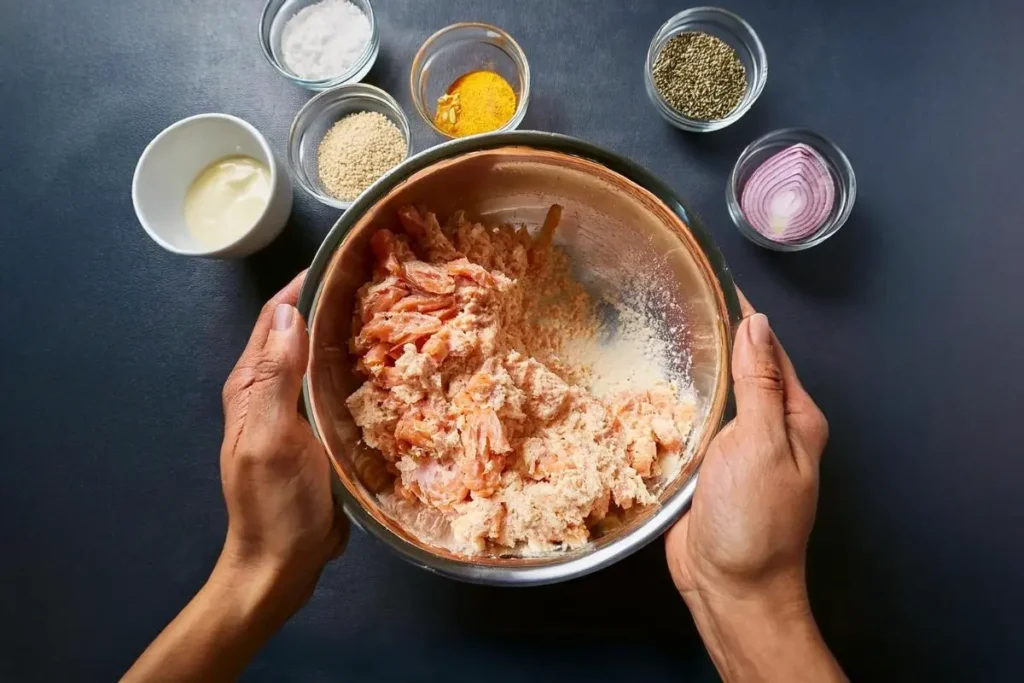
<point x="468" y="397"/>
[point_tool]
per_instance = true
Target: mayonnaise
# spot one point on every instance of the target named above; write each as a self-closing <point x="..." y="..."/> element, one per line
<point x="226" y="199"/>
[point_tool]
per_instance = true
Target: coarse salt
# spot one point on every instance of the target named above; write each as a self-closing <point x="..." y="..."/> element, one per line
<point x="324" y="40"/>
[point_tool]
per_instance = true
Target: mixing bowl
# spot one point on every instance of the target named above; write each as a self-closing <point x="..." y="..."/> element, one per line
<point x="622" y="228"/>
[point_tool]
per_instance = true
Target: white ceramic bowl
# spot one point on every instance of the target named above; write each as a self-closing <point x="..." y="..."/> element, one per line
<point x="175" y="157"/>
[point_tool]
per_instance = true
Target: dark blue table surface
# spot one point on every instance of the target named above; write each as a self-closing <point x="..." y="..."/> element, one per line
<point x="906" y="327"/>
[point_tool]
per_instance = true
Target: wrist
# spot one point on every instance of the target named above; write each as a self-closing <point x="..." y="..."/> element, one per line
<point x="767" y="634"/>
<point x="262" y="592"/>
<point x="761" y="615"/>
<point x="782" y="595"/>
<point x="219" y="631"/>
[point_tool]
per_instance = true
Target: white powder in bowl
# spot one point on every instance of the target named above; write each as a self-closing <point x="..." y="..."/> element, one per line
<point x="324" y="40"/>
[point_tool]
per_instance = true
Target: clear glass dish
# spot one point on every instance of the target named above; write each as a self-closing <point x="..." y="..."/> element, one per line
<point x="458" y="49"/>
<point x="315" y="119"/>
<point x="759" y="151"/>
<point x="729" y="28"/>
<point x="276" y="14"/>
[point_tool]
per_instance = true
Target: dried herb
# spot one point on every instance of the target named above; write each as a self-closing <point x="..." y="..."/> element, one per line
<point x="700" y="76"/>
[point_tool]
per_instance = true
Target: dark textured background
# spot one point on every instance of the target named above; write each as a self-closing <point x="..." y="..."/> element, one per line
<point x="906" y="328"/>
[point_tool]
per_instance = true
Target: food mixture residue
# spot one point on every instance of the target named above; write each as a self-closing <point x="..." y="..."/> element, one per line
<point x="474" y="399"/>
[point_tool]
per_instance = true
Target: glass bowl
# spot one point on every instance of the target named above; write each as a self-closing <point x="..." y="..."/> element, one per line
<point x="458" y="49"/>
<point x="276" y="14"/>
<point x="628" y="236"/>
<point x="737" y="34"/>
<point x="759" y="151"/>
<point x="318" y="115"/>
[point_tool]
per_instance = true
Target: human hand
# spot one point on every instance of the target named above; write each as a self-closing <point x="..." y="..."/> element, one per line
<point x="282" y="523"/>
<point x="738" y="556"/>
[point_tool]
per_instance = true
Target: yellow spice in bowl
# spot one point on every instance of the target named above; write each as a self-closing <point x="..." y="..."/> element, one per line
<point x="477" y="102"/>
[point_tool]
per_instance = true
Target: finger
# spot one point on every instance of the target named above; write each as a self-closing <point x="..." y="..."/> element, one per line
<point x="282" y="359"/>
<point x="288" y="295"/>
<point x="272" y="375"/>
<point x="793" y="386"/>
<point x="243" y="374"/>
<point x="264" y="387"/>
<point x="797" y="398"/>
<point x="746" y="308"/>
<point x="800" y="407"/>
<point x="760" y="395"/>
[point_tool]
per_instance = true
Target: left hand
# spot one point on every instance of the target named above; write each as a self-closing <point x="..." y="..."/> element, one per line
<point x="282" y="522"/>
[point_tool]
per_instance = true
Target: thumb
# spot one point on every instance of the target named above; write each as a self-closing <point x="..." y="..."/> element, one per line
<point x="284" y="357"/>
<point x="757" y="376"/>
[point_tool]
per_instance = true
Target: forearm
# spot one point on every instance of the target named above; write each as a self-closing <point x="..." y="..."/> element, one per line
<point x="761" y="640"/>
<point x="218" y="632"/>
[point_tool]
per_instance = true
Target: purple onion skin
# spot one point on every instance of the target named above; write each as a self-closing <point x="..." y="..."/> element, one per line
<point x="789" y="196"/>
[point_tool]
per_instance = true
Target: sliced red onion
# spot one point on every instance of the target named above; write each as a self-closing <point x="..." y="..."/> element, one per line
<point x="789" y="196"/>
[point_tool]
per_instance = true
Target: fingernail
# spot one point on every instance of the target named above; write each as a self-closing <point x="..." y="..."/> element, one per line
<point x="283" y="315"/>
<point x="759" y="330"/>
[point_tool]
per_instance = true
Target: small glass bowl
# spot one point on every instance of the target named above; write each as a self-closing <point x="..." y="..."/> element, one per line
<point x="318" y="115"/>
<point x="759" y="151"/>
<point x="459" y="49"/>
<point x="276" y="14"/>
<point x="729" y="28"/>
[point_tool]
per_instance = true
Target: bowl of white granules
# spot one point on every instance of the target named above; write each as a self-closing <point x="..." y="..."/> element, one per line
<point x="344" y="139"/>
<point x="319" y="44"/>
<point x="519" y="355"/>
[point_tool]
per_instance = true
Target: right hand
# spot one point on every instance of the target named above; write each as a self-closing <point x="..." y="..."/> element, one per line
<point x="738" y="556"/>
<point x="745" y="537"/>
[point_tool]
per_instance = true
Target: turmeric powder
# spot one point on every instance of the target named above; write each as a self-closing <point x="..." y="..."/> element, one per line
<point x="477" y="102"/>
